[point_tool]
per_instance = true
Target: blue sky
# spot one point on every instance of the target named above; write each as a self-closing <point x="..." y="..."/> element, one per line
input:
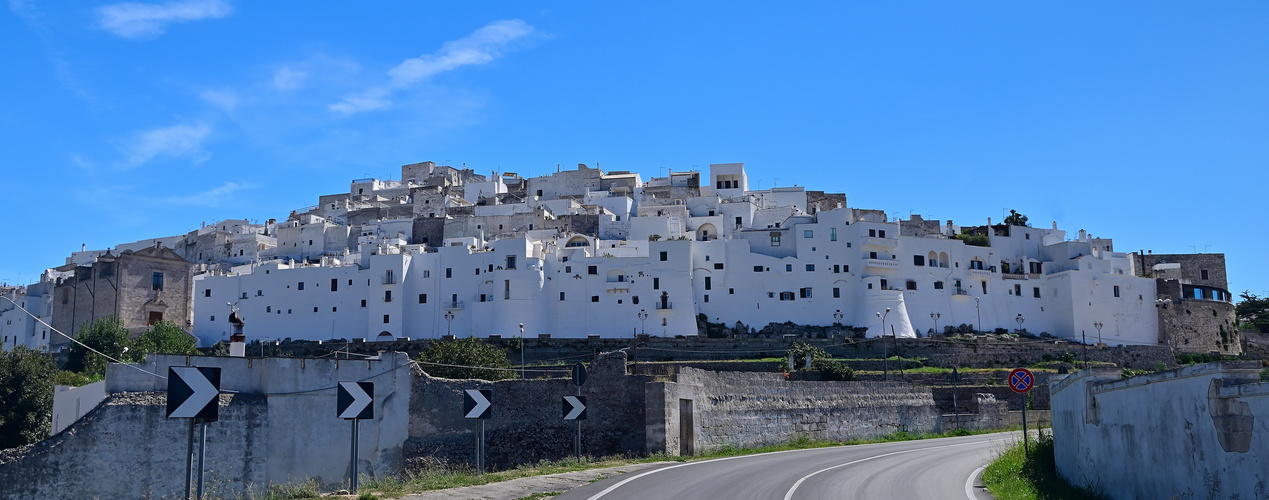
<point x="1147" y="122"/>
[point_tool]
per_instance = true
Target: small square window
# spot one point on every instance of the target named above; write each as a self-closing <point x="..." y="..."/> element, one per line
<point x="594" y="298"/>
<point x="810" y="267"/>
<point x="757" y="269"/>
<point x="718" y="265"/>
<point x="1035" y="292"/>
<point x="707" y="298"/>
<point x="837" y="293"/>
<point x="422" y="298"/>
<point x="561" y="296"/>
<point x="207" y="292"/>
<point x="788" y="268"/>
<point x="665" y="256"/>
<point x="938" y="285"/>
<point x="363" y="302"/>
<point x="656" y="283"/>
<point x="634" y="300"/>
<point x="808" y="234"/>
<point x="385" y="318"/>
<point x="300" y="286"/>
<point x="911" y="285"/>
<point x="1116" y="290"/>
<point x="592" y="269"/>
<point x="731" y="291"/>
<point x="314" y="308"/>
<point x="213" y="318"/>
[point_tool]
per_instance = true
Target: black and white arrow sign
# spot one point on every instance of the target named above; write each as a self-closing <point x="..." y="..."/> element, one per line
<point x="574" y="408"/>
<point x="356" y="400"/>
<point x="193" y="392"/>
<point x="477" y="404"/>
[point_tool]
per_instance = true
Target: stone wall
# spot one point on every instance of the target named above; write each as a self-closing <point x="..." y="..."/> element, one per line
<point x="127" y="448"/>
<point x="1195" y="432"/>
<point x="527" y="424"/>
<point x="756" y="409"/>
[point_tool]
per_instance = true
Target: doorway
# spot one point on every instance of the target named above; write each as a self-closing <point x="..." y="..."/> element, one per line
<point x="687" y="430"/>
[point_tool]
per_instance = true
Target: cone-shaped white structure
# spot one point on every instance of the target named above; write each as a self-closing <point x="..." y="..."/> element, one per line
<point x="877" y="301"/>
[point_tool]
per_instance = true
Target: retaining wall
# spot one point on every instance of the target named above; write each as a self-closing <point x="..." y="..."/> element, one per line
<point x="1195" y="432"/>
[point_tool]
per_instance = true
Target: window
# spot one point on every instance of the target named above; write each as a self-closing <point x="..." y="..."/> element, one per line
<point x="775" y="239"/>
<point x="708" y="283"/>
<point x="506" y="289"/>
<point x="884" y="285"/>
<point x="911" y="285"/>
<point x="334" y="284"/>
<point x="938" y="285"/>
<point x="718" y="265"/>
<point x="918" y="260"/>
<point x="213" y="318"/>
<point x="757" y="269"/>
<point x="482" y="297"/>
<point x="385" y="318"/>
<point x="881" y="233"/>
<point x="656" y="283"/>
<point x="1017" y="290"/>
<point x="1116" y="290"/>
<point x="1203" y="274"/>
<point x="511" y="262"/>
<point x="731" y="291"/>
<point x="592" y="269"/>
<point x="387" y="295"/>
<point x="810" y="267"/>
<point x="872" y="255"/>
<point x="314" y="308"/>
<point x="984" y="287"/>
<point x="665" y="256"/>
<point x="872" y="233"/>
<point x="1035" y="292"/>
<point x="976" y="264"/>
<point x="846" y="268"/>
<point x="808" y="234"/>
<point x="156" y="281"/>
<point x="594" y="298"/>
<point x="837" y="268"/>
<point x="832" y="234"/>
<point x="788" y="268"/>
<point x="634" y="300"/>
<point x="207" y="292"/>
<point x="389" y="278"/>
<point x="426" y="274"/>
<point x="1036" y="267"/>
<point x="706" y="297"/>
<point x="837" y="293"/>
<point x="300" y="286"/>
<point x="561" y="296"/>
<point x="847" y="244"/>
<point x="805" y="293"/>
<point x="422" y="298"/>
<point x="449" y="272"/>
<point x="268" y="309"/>
<point x="363" y="302"/>
<point x="786" y="295"/>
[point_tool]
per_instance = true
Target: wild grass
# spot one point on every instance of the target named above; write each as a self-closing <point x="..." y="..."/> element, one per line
<point x="1016" y="476"/>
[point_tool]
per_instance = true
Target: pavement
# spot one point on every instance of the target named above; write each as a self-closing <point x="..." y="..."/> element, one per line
<point x="516" y="489"/>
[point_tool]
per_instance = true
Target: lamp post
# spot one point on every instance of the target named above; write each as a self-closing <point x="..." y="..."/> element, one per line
<point x="936" y="317"/>
<point x="1098" y="325"/>
<point x="449" y="322"/>
<point x="521" y="351"/>
<point x="1085" y="342"/>
<point x="643" y="316"/>
<point x="885" y="353"/>
<point x="837" y="317"/>
<point x="978" y="326"/>
<point x="1020" y="320"/>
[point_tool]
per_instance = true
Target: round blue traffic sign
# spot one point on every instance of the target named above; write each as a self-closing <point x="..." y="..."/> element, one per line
<point x="1021" y="380"/>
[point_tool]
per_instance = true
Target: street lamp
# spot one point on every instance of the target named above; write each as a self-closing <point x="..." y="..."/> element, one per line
<point x="936" y="317"/>
<point x="978" y="326"/>
<point x="1098" y="325"/>
<point x="449" y="322"/>
<point x="885" y="353"/>
<point x="522" y="350"/>
<point x="1020" y="320"/>
<point x="643" y="316"/>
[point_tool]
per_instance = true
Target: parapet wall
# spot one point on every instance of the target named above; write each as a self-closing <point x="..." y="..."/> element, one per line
<point x="1195" y="432"/>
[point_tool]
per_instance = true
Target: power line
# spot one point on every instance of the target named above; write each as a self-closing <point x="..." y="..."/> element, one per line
<point x="85" y="346"/>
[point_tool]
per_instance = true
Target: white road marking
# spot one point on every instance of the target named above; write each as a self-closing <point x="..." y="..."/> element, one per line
<point x="789" y="495"/>
<point x="969" y="483"/>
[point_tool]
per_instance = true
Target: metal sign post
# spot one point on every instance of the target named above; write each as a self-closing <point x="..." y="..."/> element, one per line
<point x="579" y="378"/>
<point x="194" y="393"/>
<point x="1021" y="380"/>
<point x="478" y="404"/>
<point x="354" y="401"/>
<point x="956" y="412"/>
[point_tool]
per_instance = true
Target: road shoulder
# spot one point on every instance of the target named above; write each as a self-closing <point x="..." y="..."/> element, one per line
<point x="516" y="489"/>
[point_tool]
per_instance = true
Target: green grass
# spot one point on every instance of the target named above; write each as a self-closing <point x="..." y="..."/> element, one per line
<point x="1014" y="476"/>
<point x="437" y="477"/>
<point x="536" y="496"/>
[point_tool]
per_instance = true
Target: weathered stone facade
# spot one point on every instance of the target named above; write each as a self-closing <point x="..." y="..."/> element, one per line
<point x="139" y="288"/>
<point x="1199" y="313"/>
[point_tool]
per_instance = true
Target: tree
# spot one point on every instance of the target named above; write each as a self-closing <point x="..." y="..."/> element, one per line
<point x="821" y="361"/>
<point x="106" y="335"/>
<point x="26" y="396"/>
<point x="1016" y="219"/>
<point x="1253" y="311"/>
<point x="166" y="338"/>
<point x="469" y="358"/>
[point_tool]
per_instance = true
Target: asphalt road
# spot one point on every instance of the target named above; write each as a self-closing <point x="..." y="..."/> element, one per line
<point x="934" y="468"/>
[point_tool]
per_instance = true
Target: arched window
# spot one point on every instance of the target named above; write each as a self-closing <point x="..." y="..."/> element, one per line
<point x="932" y="260"/>
<point x="942" y="259"/>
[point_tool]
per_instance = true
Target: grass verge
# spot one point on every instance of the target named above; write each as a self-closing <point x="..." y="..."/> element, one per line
<point x="1015" y="476"/>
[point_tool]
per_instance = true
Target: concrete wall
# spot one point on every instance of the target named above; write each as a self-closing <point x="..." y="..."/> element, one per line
<point x="1195" y="432"/>
<point x="756" y="409"/>
<point x="70" y="403"/>
<point x="277" y="425"/>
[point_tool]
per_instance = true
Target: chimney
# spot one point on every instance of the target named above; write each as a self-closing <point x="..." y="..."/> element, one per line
<point x="989" y="221"/>
<point x="1055" y="225"/>
<point x="83" y="247"/>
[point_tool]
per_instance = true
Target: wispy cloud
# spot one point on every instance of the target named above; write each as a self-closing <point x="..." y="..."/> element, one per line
<point x="211" y="197"/>
<point x="288" y="79"/>
<point x="171" y="142"/>
<point x="226" y="100"/>
<point x="480" y="47"/>
<point x="141" y="20"/>
<point x="31" y="15"/>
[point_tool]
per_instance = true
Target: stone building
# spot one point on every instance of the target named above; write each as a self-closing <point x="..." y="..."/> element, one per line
<point x="1196" y="310"/>
<point x="137" y="287"/>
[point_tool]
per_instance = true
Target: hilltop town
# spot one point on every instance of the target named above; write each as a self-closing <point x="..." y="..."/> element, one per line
<point x="583" y="252"/>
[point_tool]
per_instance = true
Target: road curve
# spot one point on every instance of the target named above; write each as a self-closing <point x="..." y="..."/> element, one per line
<point x="932" y="468"/>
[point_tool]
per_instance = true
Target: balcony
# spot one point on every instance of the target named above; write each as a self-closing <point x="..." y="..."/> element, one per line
<point x="960" y="291"/>
<point x="618" y="286"/>
<point x="1012" y="276"/>
<point x="454" y="305"/>
<point x="664" y="307"/>
<point x="980" y="272"/>
<point x="881" y="242"/>
<point x="881" y="264"/>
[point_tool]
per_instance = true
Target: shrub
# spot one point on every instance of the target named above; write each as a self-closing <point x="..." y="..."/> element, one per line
<point x="833" y="370"/>
<point x="26" y="390"/>
<point x="468" y="358"/>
